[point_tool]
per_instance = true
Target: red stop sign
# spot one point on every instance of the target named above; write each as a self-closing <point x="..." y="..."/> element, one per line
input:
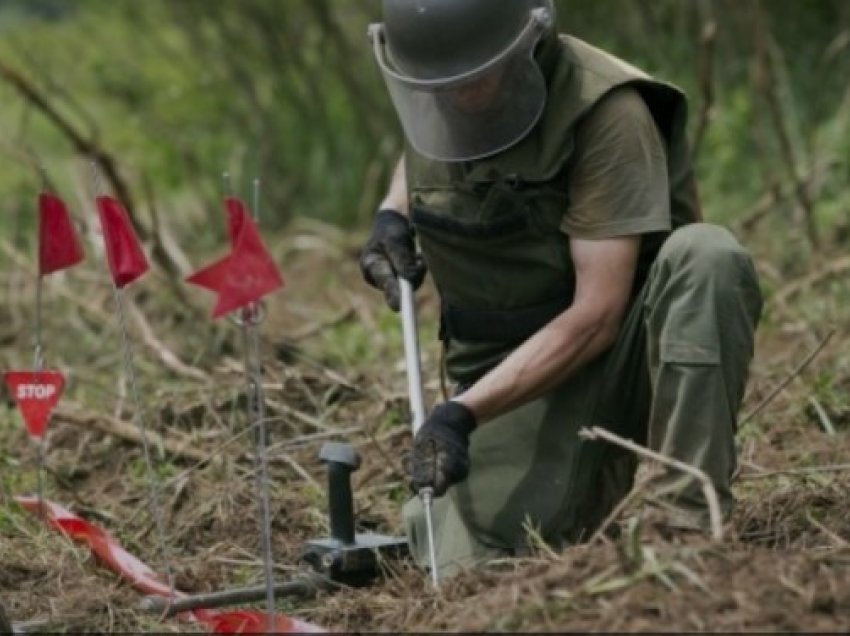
<point x="36" y="393"/>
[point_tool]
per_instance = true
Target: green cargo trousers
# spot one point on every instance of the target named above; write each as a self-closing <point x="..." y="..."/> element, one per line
<point x="674" y="381"/>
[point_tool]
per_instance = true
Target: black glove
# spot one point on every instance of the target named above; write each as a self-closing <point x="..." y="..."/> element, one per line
<point x="440" y="455"/>
<point x="389" y="253"/>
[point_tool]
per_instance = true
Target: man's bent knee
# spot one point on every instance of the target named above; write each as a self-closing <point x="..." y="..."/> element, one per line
<point x="707" y="250"/>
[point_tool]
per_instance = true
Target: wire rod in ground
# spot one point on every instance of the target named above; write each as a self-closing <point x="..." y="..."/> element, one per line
<point x="304" y="587"/>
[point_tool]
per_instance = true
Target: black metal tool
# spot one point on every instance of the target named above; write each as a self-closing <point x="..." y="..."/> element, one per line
<point x="347" y="556"/>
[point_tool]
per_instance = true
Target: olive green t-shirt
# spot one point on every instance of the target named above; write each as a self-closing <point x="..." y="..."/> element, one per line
<point x="618" y="181"/>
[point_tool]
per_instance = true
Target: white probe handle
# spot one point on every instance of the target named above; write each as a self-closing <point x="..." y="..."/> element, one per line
<point x="411" y="354"/>
<point x="417" y="403"/>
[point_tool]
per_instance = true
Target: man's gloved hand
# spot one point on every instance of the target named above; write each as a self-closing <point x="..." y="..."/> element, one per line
<point x="440" y="455"/>
<point x="389" y="253"/>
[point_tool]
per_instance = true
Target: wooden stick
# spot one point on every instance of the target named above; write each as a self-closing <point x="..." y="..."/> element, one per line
<point x="304" y="440"/>
<point x="767" y="55"/>
<point x="708" y="489"/>
<point x="778" y="389"/>
<point x="86" y="146"/>
<point x="842" y="543"/>
<point x="823" y="417"/>
<point x="315" y="422"/>
<point x="835" y="268"/>
<point x="168" y="357"/>
<point x="708" y="38"/>
<point x="287" y="459"/>
<point x="625" y="502"/>
<point x="777" y="193"/>
<point x="113" y="426"/>
<point x="809" y="470"/>
<point x="315" y="328"/>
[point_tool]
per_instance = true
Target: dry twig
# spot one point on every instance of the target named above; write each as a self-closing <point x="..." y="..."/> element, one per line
<point x="776" y="391"/>
<point x="636" y="491"/>
<point x="112" y="426"/>
<point x="823" y="417"/>
<point x="766" y="79"/>
<point x="308" y="331"/>
<point x="808" y="470"/>
<point x="85" y="146"/>
<point x="842" y="543"/>
<point x="834" y="268"/>
<point x="168" y="357"/>
<point x="708" y="490"/>
<point x="708" y="38"/>
<point x="290" y="461"/>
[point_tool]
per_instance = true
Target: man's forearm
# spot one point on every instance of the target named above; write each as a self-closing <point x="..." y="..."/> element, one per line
<point x="396" y="198"/>
<point x="545" y="360"/>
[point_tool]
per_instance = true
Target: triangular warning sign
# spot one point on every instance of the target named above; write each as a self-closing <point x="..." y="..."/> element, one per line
<point x="36" y="394"/>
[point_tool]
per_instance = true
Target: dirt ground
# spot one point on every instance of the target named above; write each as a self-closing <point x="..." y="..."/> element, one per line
<point x="334" y="371"/>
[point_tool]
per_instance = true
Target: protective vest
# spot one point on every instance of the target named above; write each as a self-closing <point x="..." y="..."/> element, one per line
<point x="490" y="230"/>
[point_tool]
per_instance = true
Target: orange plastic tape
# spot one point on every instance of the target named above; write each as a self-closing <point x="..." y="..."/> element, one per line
<point x="143" y="578"/>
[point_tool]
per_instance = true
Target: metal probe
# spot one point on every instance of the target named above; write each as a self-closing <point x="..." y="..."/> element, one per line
<point x="417" y="404"/>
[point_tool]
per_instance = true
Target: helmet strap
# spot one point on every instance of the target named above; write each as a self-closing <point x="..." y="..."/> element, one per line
<point x="547" y="52"/>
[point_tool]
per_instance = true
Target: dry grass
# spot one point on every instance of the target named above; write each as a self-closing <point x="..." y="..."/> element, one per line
<point x="784" y="565"/>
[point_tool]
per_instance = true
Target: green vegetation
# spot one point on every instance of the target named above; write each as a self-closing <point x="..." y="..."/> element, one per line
<point x="181" y="91"/>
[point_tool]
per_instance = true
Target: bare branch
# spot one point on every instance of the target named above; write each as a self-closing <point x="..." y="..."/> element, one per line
<point x="708" y="489"/>
<point x="708" y="40"/>
<point x="185" y="449"/>
<point x="88" y="147"/>
<point x="776" y="391"/>
<point x="766" y="79"/>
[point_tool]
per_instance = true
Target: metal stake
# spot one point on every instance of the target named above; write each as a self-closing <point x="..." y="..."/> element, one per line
<point x="138" y="417"/>
<point x="417" y="405"/>
<point x="303" y="587"/>
<point x="249" y="320"/>
<point x="38" y="363"/>
<point x="153" y="482"/>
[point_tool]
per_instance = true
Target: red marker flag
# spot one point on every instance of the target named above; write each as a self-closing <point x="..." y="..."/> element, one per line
<point x="36" y="393"/>
<point x="58" y="245"/>
<point x="248" y="273"/>
<point x="126" y="259"/>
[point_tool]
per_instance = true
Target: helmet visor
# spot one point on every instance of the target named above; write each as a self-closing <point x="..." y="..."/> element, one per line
<point x="475" y="114"/>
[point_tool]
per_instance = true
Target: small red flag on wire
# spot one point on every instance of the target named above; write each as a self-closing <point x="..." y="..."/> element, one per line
<point x="58" y="245"/>
<point x="245" y="275"/>
<point x="36" y="393"/>
<point x="126" y="259"/>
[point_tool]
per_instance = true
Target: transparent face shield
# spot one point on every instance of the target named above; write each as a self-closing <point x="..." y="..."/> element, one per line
<point x="475" y="114"/>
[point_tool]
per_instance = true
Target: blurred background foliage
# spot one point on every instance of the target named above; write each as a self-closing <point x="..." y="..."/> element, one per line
<point x="179" y="91"/>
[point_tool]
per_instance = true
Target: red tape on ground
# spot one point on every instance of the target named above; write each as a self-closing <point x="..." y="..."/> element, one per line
<point x="144" y="579"/>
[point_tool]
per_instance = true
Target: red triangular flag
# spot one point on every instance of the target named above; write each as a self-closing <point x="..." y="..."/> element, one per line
<point x="58" y="245"/>
<point x="36" y="393"/>
<point x="248" y="273"/>
<point x="126" y="259"/>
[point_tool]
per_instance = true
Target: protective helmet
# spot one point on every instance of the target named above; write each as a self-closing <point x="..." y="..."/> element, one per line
<point x="461" y="73"/>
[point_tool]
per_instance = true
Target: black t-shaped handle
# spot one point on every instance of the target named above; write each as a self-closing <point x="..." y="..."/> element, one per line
<point x="342" y="460"/>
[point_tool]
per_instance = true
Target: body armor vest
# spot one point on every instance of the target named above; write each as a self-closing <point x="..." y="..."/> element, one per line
<point x="490" y="229"/>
